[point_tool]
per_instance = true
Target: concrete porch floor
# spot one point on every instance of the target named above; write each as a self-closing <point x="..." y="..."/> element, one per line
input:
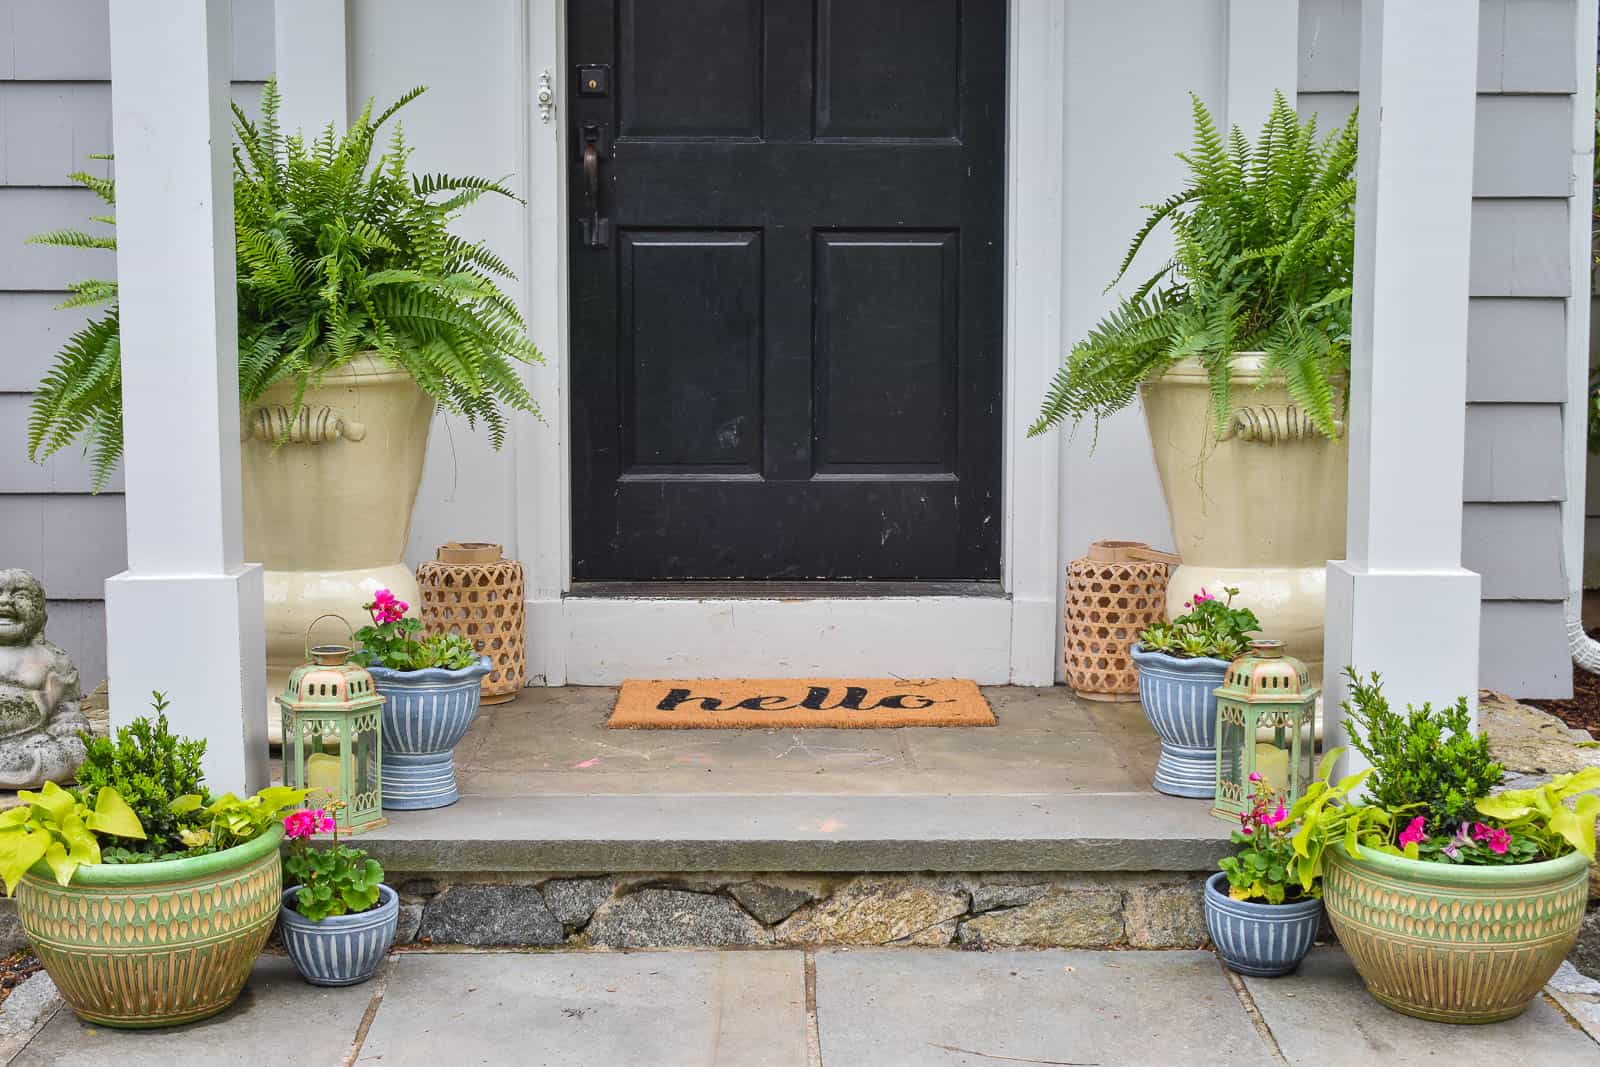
<point x="555" y="741"/>
<point x="1061" y="784"/>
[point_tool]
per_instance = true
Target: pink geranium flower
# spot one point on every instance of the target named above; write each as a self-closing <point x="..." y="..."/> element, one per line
<point x="1203" y="596"/>
<point x="1277" y="815"/>
<point x="1496" y="838"/>
<point x="1415" y="832"/>
<point x="387" y="608"/>
<point x="299" y="824"/>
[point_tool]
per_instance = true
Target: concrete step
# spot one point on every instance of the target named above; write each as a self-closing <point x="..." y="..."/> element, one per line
<point x="805" y="832"/>
<point x="716" y="870"/>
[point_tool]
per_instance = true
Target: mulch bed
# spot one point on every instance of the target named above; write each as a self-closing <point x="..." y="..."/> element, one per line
<point x="13" y="969"/>
<point x="1583" y="710"/>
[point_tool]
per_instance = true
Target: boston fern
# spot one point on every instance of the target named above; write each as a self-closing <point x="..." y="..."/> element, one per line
<point x="1264" y="244"/>
<point x="337" y="254"/>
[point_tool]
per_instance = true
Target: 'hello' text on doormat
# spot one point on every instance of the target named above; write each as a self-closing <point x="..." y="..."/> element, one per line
<point x="838" y="703"/>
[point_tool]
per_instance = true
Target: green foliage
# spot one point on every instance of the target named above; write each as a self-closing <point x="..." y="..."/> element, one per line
<point x="1473" y="845"/>
<point x="1213" y="628"/>
<point x="1324" y="816"/>
<point x="396" y="645"/>
<point x="55" y="826"/>
<point x="147" y="766"/>
<point x="228" y="821"/>
<point x="1424" y="762"/>
<point x="338" y="880"/>
<point x="1542" y="814"/>
<point x="1265" y="868"/>
<point x="338" y="253"/>
<point x="1265" y="240"/>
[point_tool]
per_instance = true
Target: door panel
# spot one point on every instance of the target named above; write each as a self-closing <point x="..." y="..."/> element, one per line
<point x="786" y="345"/>
<point x="694" y="70"/>
<point x="691" y="322"/>
<point x="886" y="352"/>
<point x="888" y="68"/>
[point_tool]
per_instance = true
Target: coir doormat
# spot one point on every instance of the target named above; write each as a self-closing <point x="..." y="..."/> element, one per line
<point x="847" y="703"/>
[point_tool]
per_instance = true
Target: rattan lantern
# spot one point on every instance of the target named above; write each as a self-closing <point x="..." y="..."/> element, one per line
<point x="1115" y="591"/>
<point x="473" y="590"/>
<point x="1266" y="724"/>
<point x="333" y="734"/>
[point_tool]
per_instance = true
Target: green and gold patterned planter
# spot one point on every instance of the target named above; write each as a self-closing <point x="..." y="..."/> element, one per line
<point x="155" y="944"/>
<point x="1455" y="944"/>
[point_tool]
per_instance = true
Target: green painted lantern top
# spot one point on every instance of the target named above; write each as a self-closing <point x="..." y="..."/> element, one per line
<point x="330" y="682"/>
<point x="1264" y="675"/>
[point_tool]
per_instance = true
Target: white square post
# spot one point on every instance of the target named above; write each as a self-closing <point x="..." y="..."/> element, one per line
<point x="1401" y="603"/>
<point x="185" y="617"/>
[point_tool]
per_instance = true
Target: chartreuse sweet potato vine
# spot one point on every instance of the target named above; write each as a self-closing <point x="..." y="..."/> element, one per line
<point x="54" y="826"/>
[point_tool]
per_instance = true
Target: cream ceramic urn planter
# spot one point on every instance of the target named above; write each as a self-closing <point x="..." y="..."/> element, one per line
<point x="327" y="509"/>
<point x="1262" y="508"/>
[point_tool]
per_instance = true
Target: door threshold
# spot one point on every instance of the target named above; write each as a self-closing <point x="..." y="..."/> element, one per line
<point x="736" y="590"/>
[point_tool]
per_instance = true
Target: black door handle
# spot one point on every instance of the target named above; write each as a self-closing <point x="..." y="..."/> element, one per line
<point x="596" y="228"/>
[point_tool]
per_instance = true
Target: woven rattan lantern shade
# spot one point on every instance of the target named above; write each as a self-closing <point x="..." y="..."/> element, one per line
<point x="1115" y="591"/>
<point x="473" y="590"/>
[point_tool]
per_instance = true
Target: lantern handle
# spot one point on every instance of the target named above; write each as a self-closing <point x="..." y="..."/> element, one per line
<point x="330" y="615"/>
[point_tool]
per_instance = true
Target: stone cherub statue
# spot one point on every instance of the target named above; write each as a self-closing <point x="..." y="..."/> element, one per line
<point x="40" y="714"/>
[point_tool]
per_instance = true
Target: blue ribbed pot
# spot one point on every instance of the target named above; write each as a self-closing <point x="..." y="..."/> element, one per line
<point x="1264" y="940"/>
<point x="1180" y="700"/>
<point x="341" y="949"/>
<point x="425" y="714"/>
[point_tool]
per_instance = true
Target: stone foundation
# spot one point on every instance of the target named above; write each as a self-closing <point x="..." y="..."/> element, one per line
<point x="969" y="911"/>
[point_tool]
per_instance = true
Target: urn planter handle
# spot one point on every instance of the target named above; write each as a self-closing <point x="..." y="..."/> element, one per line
<point x="1270" y="425"/>
<point x="275" y="423"/>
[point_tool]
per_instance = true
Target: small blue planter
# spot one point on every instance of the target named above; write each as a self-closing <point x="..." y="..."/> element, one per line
<point x="425" y="714"/>
<point x="1180" y="700"/>
<point x="341" y="949"/>
<point x="1263" y="940"/>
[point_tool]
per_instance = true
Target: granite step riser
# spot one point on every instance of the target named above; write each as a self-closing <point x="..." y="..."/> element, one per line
<point x="1155" y="910"/>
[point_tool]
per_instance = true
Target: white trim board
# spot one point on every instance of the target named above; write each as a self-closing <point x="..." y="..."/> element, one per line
<point x="598" y="640"/>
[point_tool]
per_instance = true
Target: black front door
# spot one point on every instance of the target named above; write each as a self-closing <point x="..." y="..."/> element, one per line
<point x="786" y="278"/>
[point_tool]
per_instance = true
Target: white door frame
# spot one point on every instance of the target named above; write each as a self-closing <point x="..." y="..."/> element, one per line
<point x="599" y="640"/>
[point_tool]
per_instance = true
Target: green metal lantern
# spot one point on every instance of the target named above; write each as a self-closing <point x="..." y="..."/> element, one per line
<point x="333" y="734"/>
<point x="1266" y="724"/>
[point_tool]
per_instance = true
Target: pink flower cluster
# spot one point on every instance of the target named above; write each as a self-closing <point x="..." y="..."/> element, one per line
<point x="299" y="825"/>
<point x="385" y="608"/>
<point x="1496" y="839"/>
<point x="1261" y="816"/>
<point x="1199" y="598"/>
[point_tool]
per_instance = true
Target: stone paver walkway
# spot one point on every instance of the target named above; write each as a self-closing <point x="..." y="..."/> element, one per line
<point x="863" y="1008"/>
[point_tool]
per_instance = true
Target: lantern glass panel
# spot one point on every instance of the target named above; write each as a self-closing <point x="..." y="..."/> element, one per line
<point x="366" y="753"/>
<point x="1232" y="749"/>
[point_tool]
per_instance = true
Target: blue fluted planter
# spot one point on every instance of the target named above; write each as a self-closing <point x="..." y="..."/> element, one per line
<point x="341" y="949"/>
<point x="1263" y="940"/>
<point x="425" y="714"/>
<point x="1180" y="700"/>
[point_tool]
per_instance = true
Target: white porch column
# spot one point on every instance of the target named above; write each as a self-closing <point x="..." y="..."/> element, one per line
<point x="1401" y="603"/>
<point x="312" y="63"/>
<point x="1262" y="57"/>
<point x="185" y="617"/>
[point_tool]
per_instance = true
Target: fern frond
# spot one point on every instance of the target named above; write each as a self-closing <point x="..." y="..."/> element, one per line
<point x="338" y="251"/>
<point x="1263" y="242"/>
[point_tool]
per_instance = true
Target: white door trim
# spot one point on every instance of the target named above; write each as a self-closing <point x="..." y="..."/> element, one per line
<point x="590" y="640"/>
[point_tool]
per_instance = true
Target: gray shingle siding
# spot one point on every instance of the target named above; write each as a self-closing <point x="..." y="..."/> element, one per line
<point x="55" y="110"/>
<point x="1521" y="280"/>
